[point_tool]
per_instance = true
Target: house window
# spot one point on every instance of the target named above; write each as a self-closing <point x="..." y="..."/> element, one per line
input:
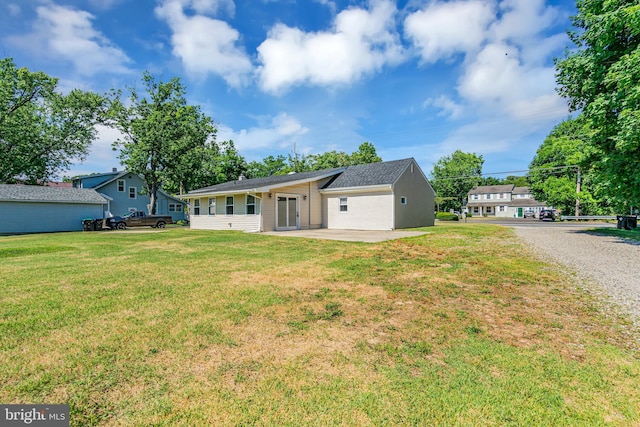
<point x="212" y="206"/>
<point x="488" y="209"/>
<point x="475" y="210"/>
<point x="501" y="208"/>
<point x="475" y="197"/>
<point x="502" y="195"/>
<point x="229" y="205"/>
<point x="343" y="204"/>
<point x="175" y="207"/>
<point x="403" y="200"/>
<point x="121" y="185"/>
<point x="132" y="192"/>
<point x="488" y="196"/>
<point x="251" y="205"/>
<point x="196" y="206"/>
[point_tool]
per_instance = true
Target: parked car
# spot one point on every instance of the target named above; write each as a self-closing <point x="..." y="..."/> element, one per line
<point x="529" y="213"/>
<point x="547" y="214"/>
<point x="139" y="219"/>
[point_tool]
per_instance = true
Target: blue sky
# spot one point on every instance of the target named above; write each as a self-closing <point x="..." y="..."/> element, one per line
<point x="415" y="78"/>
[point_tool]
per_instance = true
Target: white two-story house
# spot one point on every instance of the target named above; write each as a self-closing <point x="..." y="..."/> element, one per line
<point x="506" y="201"/>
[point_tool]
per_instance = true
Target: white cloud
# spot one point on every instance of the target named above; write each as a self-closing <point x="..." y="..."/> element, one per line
<point x="330" y="4"/>
<point x="14" y="9"/>
<point x="102" y="158"/>
<point x="360" y="42"/>
<point x="210" y="7"/>
<point x="449" y="108"/>
<point x="62" y="32"/>
<point x="444" y="29"/>
<point x="103" y="4"/>
<point x="206" y="45"/>
<point x="522" y="20"/>
<point x="102" y="148"/>
<point x="506" y="86"/>
<point x="280" y="131"/>
<point x="506" y="66"/>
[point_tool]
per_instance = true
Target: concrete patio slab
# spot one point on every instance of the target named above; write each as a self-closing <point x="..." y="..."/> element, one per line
<point x="348" y="235"/>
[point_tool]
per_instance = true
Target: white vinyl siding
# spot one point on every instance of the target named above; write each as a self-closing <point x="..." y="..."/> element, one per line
<point x="366" y="211"/>
<point x="223" y="222"/>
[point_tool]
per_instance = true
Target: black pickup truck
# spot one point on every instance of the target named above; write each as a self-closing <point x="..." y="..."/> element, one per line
<point x="138" y="219"/>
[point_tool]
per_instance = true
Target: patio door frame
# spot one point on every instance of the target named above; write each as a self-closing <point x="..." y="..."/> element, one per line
<point x="289" y="226"/>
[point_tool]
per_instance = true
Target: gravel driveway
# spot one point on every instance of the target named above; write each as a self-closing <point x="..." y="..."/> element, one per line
<point x="602" y="264"/>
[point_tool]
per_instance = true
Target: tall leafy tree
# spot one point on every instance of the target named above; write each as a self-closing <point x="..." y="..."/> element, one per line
<point x="330" y="160"/>
<point x="602" y="78"/>
<point x="453" y="176"/>
<point x="565" y="154"/>
<point x="269" y="166"/>
<point x="518" y="181"/>
<point x="42" y="131"/>
<point x="162" y="134"/>
<point x="230" y="165"/>
<point x="366" y="153"/>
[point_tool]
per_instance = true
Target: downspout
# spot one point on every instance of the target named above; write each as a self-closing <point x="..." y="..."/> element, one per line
<point x="393" y="208"/>
<point x="309" y="205"/>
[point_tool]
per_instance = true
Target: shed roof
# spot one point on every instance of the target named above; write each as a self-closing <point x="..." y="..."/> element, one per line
<point x="37" y="193"/>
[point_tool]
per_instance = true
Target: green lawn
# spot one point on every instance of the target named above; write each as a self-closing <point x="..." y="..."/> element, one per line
<point x="461" y="326"/>
<point x="625" y="234"/>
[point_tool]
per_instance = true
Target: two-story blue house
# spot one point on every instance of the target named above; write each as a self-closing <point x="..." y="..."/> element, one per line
<point x="122" y="190"/>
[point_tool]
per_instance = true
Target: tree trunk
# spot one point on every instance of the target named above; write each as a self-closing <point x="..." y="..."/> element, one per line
<point x="153" y="198"/>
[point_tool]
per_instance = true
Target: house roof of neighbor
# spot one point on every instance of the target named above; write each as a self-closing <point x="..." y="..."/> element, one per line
<point x="37" y="193"/>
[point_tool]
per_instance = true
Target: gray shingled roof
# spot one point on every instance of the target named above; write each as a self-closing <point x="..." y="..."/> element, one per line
<point x="492" y="189"/>
<point x="383" y="173"/>
<point x="521" y="190"/>
<point x="526" y="202"/>
<point x="37" y="193"/>
<point x="272" y="181"/>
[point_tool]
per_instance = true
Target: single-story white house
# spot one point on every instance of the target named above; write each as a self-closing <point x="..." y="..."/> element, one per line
<point x="39" y="209"/>
<point x="376" y="196"/>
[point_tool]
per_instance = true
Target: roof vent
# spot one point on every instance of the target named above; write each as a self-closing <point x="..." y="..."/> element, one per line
<point x="241" y="177"/>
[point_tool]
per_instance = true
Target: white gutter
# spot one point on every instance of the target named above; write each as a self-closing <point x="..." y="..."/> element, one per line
<point x="360" y="189"/>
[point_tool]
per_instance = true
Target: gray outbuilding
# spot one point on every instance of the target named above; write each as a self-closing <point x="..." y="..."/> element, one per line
<point x="38" y="209"/>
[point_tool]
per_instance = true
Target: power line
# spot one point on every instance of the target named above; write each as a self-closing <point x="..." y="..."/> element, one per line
<point x="551" y="168"/>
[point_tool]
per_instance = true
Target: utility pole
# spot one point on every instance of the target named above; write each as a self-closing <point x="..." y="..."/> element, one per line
<point x="579" y="181"/>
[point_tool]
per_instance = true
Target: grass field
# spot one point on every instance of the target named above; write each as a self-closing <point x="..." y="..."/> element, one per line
<point x="625" y="234"/>
<point x="461" y="326"/>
